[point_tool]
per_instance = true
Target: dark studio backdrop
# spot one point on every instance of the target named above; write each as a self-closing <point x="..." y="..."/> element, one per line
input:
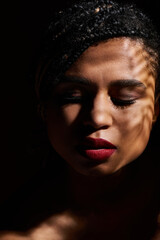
<point x="26" y="20"/>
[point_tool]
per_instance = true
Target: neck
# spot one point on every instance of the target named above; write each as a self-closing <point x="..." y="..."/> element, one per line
<point x="87" y="191"/>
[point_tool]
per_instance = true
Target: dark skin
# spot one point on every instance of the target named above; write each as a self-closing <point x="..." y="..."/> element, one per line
<point x="105" y="200"/>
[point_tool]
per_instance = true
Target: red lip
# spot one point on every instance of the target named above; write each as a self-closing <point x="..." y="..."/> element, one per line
<point x="97" y="149"/>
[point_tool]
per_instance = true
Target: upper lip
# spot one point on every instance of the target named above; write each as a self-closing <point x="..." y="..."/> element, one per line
<point x="97" y="143"/>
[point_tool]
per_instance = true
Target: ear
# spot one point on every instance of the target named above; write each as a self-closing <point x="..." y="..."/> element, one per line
<point x="41" y="108"/>
<point x="156" y="109"/>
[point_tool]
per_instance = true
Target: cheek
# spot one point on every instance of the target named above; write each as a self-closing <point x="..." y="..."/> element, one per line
<point x="63" y="116"/>
<point x="69" y="114"/>
<point x="135" y="127"/>
<point x="59" y="122"/>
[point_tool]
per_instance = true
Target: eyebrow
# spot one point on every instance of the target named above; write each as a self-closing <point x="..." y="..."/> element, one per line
<point x="125" y="83"/>
<point x="122" y="83"/>
<point x="75" y="79"/>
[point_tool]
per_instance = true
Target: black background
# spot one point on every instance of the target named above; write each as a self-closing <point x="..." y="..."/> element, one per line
<point x="24" y="22"/>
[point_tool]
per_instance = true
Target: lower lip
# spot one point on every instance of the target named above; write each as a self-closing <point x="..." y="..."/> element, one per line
<point x="98" y="154"/>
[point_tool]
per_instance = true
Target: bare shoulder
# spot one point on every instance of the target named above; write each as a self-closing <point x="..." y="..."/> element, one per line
<point x="13" y="236"/>
<point x="60" y="227"/>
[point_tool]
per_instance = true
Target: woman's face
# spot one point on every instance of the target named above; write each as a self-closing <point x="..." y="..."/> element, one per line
<point x="102" y="111"/>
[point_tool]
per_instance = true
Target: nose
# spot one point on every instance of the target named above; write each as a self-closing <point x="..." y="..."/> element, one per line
<point x="99" y="115"/>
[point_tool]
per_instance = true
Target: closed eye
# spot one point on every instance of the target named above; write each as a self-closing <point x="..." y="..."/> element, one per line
<point x="70" y="97"/>
<point x="122" y="103"/>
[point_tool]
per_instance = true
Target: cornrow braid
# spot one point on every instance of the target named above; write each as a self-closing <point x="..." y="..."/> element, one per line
<point x="72" y="30"/>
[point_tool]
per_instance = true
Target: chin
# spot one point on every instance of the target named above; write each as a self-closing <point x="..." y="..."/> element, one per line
<point x="97" y="171"/>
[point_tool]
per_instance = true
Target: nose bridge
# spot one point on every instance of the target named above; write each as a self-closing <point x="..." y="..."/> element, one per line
<point x="101" y="112"/>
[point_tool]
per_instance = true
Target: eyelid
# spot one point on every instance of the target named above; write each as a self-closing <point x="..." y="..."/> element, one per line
<point x="125" y="95"/>
<point x="120" y="103"/>
<point x="68" y="96"/>
<point x="128" y="92"/>
<point x="125" y="98"/>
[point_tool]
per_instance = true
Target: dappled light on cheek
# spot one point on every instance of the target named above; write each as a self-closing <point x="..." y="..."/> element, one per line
<point x="136" y="121"/>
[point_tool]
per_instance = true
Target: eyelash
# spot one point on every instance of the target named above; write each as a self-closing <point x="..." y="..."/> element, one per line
<point x="69" y="98"/>
<point x="122" y="103"/>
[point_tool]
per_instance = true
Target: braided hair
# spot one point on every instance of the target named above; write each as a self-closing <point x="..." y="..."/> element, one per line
<point x="79" y="26"/>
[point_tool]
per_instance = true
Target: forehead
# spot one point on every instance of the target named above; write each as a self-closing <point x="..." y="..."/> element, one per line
<point x="117" y="58"/>
<point x="122" y="49"/>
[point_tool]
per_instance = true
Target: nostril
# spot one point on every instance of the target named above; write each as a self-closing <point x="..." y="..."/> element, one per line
<point x="88" y="129"/>
<point x="91" y="127"/>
